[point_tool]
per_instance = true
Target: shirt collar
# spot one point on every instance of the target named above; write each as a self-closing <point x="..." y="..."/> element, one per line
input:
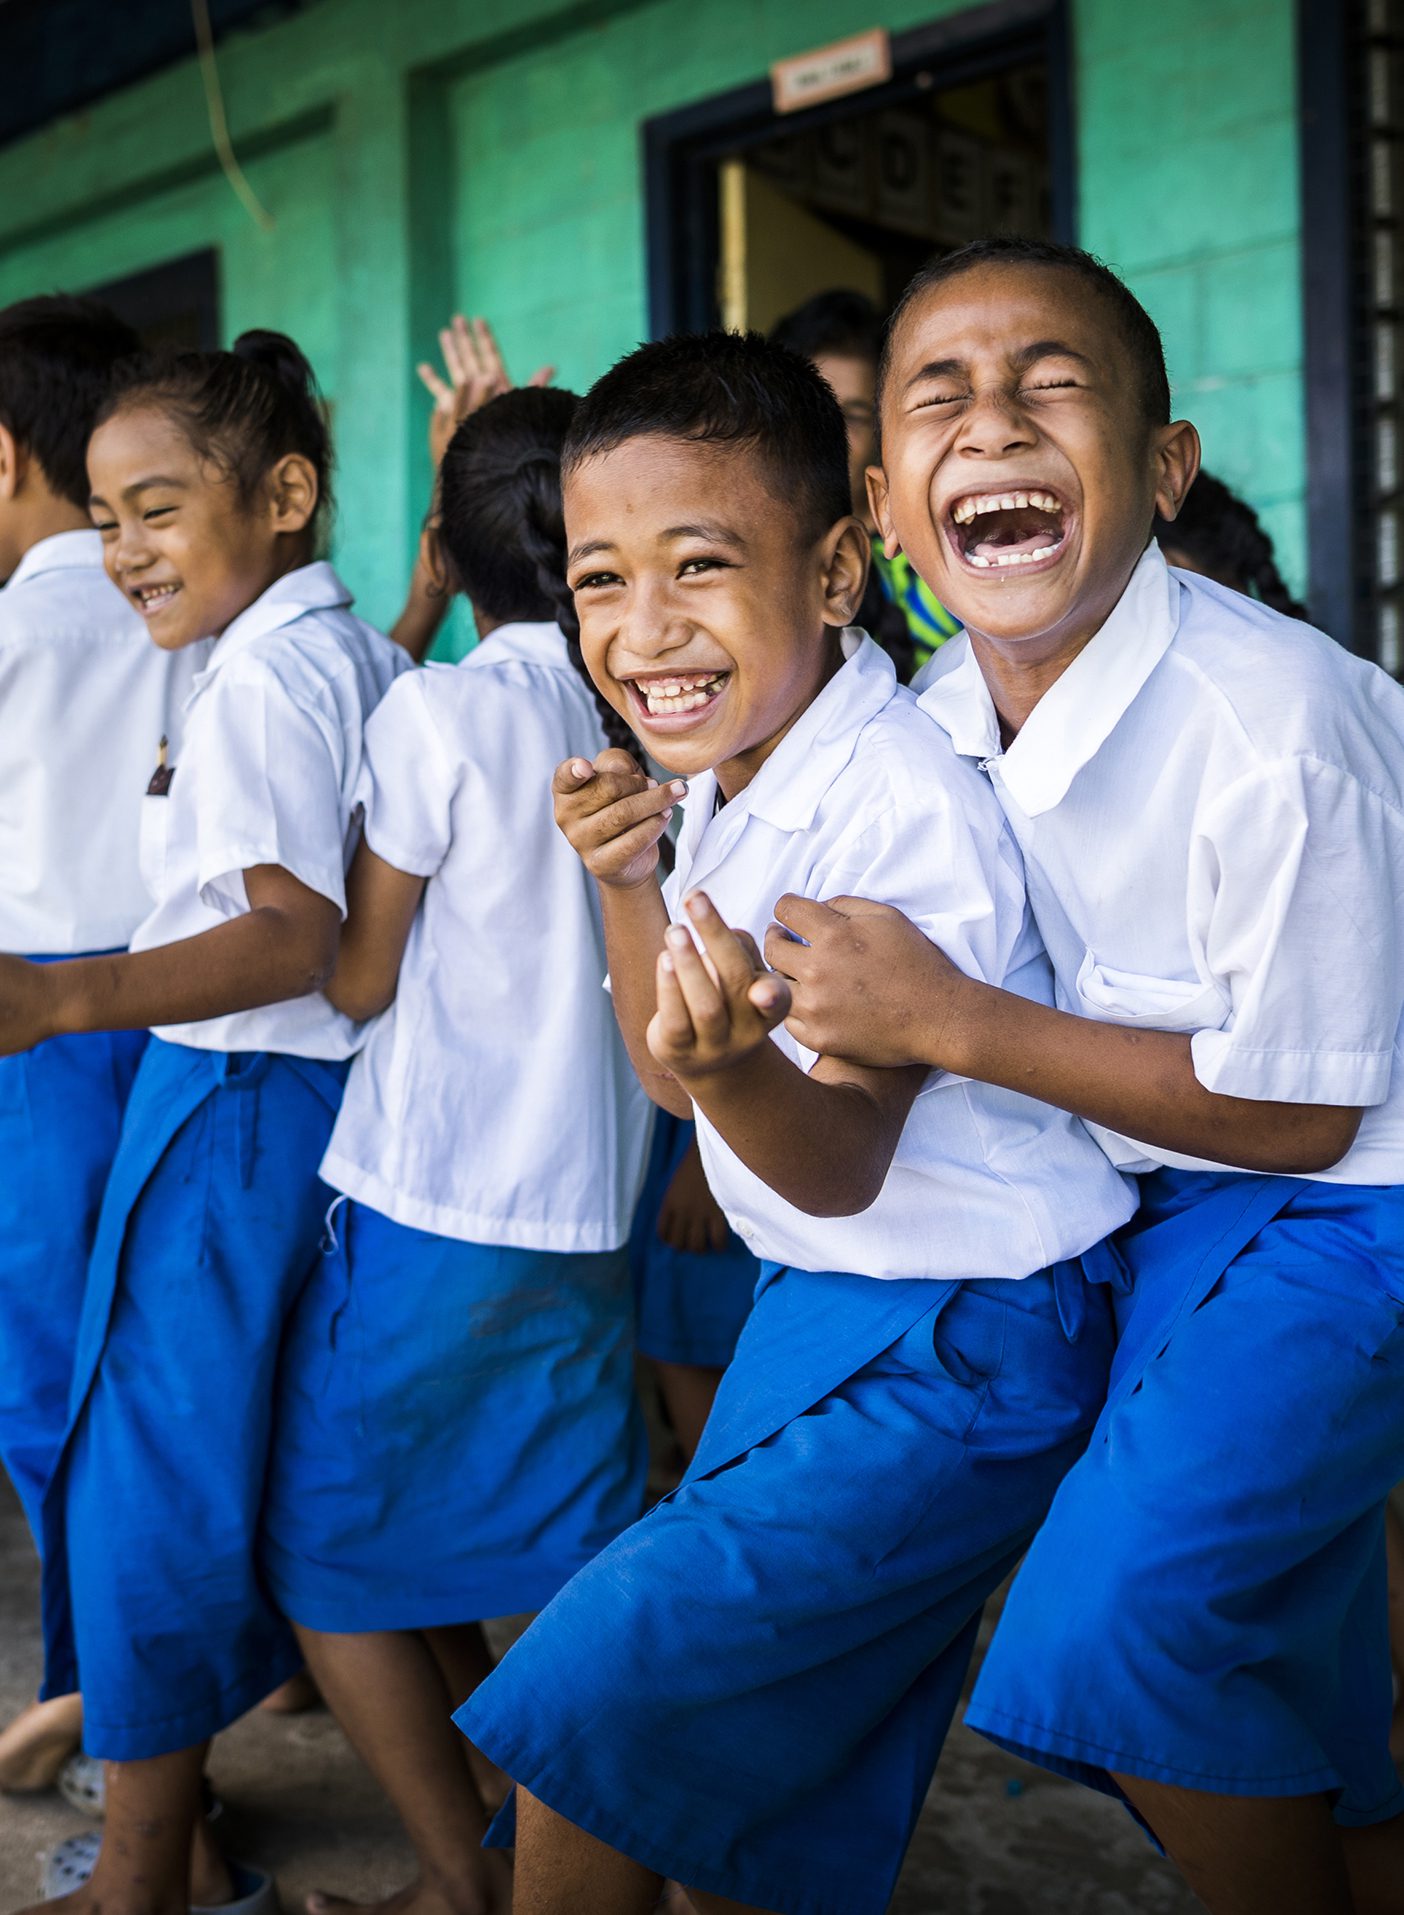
<point x="533" y="643"/>
<point x="1078" y="713"/>
<point x="311" y="588"/>
<point x="787" y="789"/>
<point x="60" y="552"/>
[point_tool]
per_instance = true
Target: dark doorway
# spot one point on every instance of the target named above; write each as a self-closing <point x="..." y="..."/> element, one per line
<point x="750" y="212"/>
<point x="174" y="305"/>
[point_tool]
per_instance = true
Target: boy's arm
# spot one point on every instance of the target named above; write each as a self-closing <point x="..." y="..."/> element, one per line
<point x="381" y="901"/>
<point x="614" y="816"/>
<point x="865" y="982"/>
<point x="283" y="946"/>
<point x="823" y="1141"/>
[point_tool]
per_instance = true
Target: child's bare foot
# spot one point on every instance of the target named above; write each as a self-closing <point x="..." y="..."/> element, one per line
<point x="294" y="1696"/>
<point x="490" y="1896"/>
<point x="35" y="1746"/>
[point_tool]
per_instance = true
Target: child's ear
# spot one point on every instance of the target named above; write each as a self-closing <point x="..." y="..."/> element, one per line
<point x="877" y="505"/>
<point x="1176" y="465"/>
<point x="293" y="491"/>
<point x="11" y="463"/>
<point x="845" y="571"/>
<point x="435" y="559"/>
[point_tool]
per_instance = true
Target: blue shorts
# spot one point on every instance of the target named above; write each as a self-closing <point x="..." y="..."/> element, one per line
<point x="748" y="1690"/>
<point x="691" y="1304"/>
<point x="1205" y="1605"/>
<point x="60" y="1116"/>
<point x="211" y="1222"/>
<point x="457" y="1428"/>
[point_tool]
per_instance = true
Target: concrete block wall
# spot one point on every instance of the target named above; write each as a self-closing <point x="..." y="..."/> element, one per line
<point x="486" y="153"/>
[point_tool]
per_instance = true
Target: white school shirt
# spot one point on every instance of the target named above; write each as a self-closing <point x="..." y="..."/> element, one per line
<point x="1210" y="803"/>
<point x="267" y="775"/>
<point x="84" y="698"/>
<point x="864" y="797"/>
<point x="494" y="1101"/>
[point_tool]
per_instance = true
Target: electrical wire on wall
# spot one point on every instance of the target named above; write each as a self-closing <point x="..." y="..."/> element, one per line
<point x="219" y="125"/>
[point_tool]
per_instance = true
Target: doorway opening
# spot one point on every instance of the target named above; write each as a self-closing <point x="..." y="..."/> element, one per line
<point x="750" y="213"/>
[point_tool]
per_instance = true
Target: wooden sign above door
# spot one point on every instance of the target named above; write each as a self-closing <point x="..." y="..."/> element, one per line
<point x="846" y="66"/>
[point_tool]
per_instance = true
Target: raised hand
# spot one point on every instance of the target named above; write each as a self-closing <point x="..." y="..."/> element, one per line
<point x="614" y="815"/>
<point x="717" y="1006"/>
<point x="476" y="373"/>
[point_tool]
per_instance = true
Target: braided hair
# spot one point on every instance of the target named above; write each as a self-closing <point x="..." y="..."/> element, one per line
<point x="1221" y="535"/>
<point x="501" y="526"/>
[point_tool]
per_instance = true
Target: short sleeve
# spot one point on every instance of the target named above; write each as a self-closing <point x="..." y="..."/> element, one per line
<point x="272" y="794"/>
<point x="1297" y="898"/>
<point x="407" y="783"/>
<point x="949" y="871"/>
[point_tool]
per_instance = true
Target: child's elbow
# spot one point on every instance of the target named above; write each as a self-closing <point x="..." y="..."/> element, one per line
<point x="360" y="999"/>
<point x="1316" y="1141"/>
<point x="846" y="1196"/>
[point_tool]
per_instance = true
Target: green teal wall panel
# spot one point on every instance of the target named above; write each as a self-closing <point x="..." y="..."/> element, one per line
<point x="486" y="153"/>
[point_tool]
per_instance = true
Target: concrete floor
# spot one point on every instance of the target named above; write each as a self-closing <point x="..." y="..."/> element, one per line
<point x="996" y="1838"/>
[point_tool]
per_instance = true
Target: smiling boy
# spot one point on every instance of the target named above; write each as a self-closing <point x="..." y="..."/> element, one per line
<point x="749" y="1690"/>
<point x="1209" y="799"/>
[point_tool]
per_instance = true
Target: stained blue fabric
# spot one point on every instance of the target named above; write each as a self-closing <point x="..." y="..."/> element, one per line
<point x="691" y="1304"/>
<point x="61" y="1110"/>
<point x="1206" y="1602"/>
<point x="457" y="1428"/>
<point x="209" y="1227"/>
<point x="748" y="1690"/>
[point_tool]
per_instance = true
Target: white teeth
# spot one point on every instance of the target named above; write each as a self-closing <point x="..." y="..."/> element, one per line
<point x="971" y="508"/>
<point x="1011" y="558"/>
<point x="684" y="693"/>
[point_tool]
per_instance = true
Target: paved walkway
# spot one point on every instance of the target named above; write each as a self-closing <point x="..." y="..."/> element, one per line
<point x="298" y="1802"/>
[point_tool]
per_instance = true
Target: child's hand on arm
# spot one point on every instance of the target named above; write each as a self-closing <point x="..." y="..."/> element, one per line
<point x="614" y="815"/>
<point x="867" y="984"/>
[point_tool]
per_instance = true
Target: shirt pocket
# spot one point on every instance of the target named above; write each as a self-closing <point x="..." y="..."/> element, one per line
<point x="151" y="848"/>
<point x="1150" y="1003"/>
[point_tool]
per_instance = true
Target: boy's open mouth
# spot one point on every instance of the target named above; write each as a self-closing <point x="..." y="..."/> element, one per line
<point x="1009" y="530"/>
<point x="150" y="599"/>
<point x="675" y="701"/>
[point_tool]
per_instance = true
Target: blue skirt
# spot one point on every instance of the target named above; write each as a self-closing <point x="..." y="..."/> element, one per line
<point x="210" y="1225"/>
<point x="748" y="1690"/>
<point x="457" y="1428"/>
<point x="1206" y="1604"/>
<point x="691" y="1304"/>
<point x="61" y="1110"/>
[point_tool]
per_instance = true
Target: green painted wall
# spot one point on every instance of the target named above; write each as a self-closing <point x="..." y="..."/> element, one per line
<point x="485" y="153"/>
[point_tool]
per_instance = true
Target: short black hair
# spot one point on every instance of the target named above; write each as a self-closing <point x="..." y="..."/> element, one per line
<point x="1138" y="331"/>
<point x="58" y="355"/>
<point x="839" y="324"/>
<point x="727" y="388"/>
<point x="243" y="409"/>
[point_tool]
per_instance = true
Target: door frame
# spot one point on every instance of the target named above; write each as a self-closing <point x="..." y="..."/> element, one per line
<point x="681" y="149"/>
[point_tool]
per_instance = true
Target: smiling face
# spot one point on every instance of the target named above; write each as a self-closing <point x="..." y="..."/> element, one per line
<point x="1020" y="473"/>
<point x="708" y="617"/>
<point x="177" y="539"/>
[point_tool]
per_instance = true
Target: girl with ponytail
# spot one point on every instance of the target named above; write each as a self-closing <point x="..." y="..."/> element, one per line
<point x="210" y="480"/>
<point x="458" y="1434"/>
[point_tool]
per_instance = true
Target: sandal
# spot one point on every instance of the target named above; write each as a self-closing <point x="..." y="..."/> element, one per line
<point x="82" y="1782"/>
<point x="68" y="1866"/>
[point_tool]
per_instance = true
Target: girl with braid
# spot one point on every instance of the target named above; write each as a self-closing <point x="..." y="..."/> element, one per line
<point x="458" y="1432"/>
<point x="1219" y="535"/>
